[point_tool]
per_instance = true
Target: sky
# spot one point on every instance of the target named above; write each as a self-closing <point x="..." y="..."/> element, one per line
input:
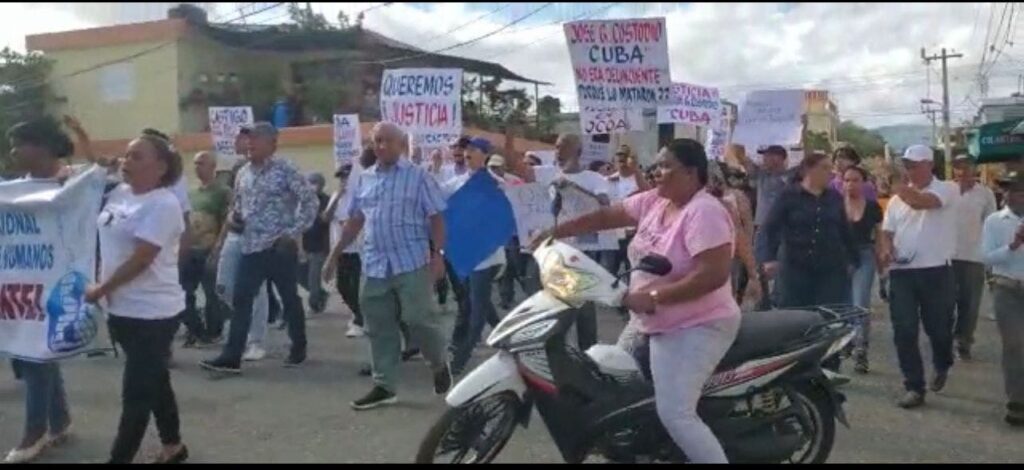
<point x="866" y="54"/>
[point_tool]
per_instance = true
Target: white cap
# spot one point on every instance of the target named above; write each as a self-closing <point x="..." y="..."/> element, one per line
<point x="919" y="153"/>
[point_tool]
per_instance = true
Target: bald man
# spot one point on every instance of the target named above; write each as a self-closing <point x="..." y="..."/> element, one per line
<point x="209" y="208"/>
<point x="399" y="204"/>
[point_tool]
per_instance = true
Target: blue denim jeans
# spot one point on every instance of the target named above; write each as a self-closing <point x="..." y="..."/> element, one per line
<point x="481" y="311"/>
<point x="227" y="279"/>
<point x="46" y="405"/>
<point x="863" y="281"/>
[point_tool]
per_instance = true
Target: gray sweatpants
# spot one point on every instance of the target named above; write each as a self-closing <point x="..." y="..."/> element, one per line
<point x="1009" y="306"/>
<point x="681" y="363"/>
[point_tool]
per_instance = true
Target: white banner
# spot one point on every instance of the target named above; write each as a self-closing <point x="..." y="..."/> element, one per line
<point x="770" y="117"/>
<point x="47" y="259"/>
<point x="348" y="140"/>
<point x="426" y="103"/>
<point x="691" y="104"/>
<point x="225" y="123"/>
<point x="610" y="120"/>
<point x="619" y="63"/>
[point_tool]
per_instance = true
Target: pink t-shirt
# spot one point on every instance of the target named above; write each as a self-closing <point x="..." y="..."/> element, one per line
<point x="704" y="223"/>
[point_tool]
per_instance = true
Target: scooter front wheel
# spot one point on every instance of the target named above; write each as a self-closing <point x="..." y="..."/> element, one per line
<point x="472" y="433"/>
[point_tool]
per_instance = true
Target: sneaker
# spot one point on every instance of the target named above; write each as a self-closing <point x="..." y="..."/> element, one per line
<point x="443" y="380"/>
<point x="221" y="365"/>
<point x="1015" y="414"/>
<point x="964" y="354"/>
<point x="860" y="364"/>
<point x="27" y="454"/>
<point x="254" y="353"/>
<point x="410" y="354"/>
<point x="911" y="400"/>
<point x="354" y="331"/>
<point x="294" y="360"/>
<point x="61" y="437"/>
<point x="377" y="397"/>
<point x="939" y="381"/>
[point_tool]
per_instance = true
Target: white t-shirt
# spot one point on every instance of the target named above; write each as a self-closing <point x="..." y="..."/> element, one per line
<point x="154" y="217"/>
<point x="927" y="238"/>
<point x="452" y="185"/>
<point x="619" y="190"/>
<point x="180" y="190"/>
<point x="972" y="208"/>
<point x="341" y="215"/>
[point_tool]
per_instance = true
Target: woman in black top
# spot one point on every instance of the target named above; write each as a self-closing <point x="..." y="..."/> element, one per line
<point x="809" y="222"/>
<point x="865" y="217"/>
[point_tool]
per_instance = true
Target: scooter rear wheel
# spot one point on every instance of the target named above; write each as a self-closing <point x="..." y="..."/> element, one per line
<point x="473" y="433"/>
<point x="822" y="424"/>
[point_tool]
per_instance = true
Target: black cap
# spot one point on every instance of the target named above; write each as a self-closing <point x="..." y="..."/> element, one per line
<point x="774" y="150"/>
<point x="1013" y="180"/>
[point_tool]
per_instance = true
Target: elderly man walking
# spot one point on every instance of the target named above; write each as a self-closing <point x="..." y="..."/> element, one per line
<point x="273" y="207"/>
<point x="400" y="206"/>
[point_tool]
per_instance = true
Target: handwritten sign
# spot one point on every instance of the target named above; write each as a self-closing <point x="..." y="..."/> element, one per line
<point x="719" y="136"/>
<point x="224" y="125"/>
<point x="595" y="151"/>
<point x="610" y="120"/>
<point x="348" y="141"/>
<point x="46" y="264"/>
<point x="770" y="117"/>
<point x="619" y="63"/>
<point x="424" y="102"/>
<point x="691" y="104"/>
<point x="575" y="204"/>
<point x="531" y="204"/>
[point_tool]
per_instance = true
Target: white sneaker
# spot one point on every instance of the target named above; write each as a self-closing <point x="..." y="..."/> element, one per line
<point x="355" y="331"/>
<point x="27" y="454"/>
<point x="254" y="353"/>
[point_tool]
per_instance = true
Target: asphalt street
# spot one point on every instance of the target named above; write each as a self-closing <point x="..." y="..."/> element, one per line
<point x="274" y="414"/>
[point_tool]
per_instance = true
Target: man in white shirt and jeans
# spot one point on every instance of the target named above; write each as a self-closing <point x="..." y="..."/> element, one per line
<point x="975" y="205"/>
<point x="918" y="244"/>
<point x="1003" y="248"/>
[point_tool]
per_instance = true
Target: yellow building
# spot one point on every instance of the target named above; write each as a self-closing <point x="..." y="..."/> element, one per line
<point x="821" y="115"/>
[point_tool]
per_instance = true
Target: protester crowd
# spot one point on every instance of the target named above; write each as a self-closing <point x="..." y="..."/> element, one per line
<point x="760" y="233"/>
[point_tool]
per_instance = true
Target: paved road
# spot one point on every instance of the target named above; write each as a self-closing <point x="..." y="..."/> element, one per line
<point x="273" y="414"/>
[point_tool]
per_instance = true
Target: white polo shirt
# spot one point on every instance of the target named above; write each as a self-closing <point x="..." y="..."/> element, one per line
<point x="971" y="210"/>
<point x="927" y="238"/>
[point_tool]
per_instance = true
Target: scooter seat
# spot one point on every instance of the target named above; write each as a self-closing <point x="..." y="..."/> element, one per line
<point x="762" y="333"/>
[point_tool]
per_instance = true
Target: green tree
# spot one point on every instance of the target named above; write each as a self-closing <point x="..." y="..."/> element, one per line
<point x="816" y="141"/>
<point x="24" y="92"/>
<point x="866" y="143"/>
<point x="549" y="109"/>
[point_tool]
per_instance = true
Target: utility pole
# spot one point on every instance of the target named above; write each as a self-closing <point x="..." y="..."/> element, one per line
<point x="946" y="144"/>
<point x="926" y="108"/>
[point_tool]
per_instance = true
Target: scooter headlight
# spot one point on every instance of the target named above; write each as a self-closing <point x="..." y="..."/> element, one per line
<point x="565" y="282"/>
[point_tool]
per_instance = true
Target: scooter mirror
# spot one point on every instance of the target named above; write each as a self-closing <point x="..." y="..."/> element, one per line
<point x="655" y="264"/>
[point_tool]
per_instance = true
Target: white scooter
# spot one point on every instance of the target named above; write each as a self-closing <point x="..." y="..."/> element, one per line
<point x="768" y="401"/>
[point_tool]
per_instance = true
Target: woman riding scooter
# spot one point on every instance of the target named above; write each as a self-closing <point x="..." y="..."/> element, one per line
<point x="689" y="314"/>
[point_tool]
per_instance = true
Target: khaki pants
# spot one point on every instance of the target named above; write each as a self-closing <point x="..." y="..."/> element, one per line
<point x="410" y="295"/>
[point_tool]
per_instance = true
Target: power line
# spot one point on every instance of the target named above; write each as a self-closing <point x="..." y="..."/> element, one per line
<point x="463" y="43"/>
<point x="463" y="25"/>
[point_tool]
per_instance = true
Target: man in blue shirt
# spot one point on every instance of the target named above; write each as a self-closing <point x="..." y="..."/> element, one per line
<point x="399" y="205"/>
<point x="1003" y="251"/>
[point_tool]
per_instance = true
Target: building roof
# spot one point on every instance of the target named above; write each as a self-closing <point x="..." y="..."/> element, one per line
<point x="278" y="38"/>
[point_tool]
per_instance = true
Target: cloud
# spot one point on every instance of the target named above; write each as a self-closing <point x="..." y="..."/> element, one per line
<point x="867" y="55"/>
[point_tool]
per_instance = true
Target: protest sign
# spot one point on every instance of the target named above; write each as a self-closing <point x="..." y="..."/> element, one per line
<point x="47" y="259"/>
<point x="770" y="117"/>
<point x="426" y="103"/>
<point x="224" y="125"/>
<point x="619" y="63"/>
<point x="610" y="120"/>
<point x="470" y="242"/>
<point x="576" y="203"/>
<point x="719" y="136"/>
<point x="595" y="151"/>
<point x="531" y="204"/>
<point x="348" y="140"/>
<point x="691" y="104"/>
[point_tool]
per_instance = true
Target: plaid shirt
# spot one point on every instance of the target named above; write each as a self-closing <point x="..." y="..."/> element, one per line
<point x="274" y="201"/>
<point x="396" y="203"/>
